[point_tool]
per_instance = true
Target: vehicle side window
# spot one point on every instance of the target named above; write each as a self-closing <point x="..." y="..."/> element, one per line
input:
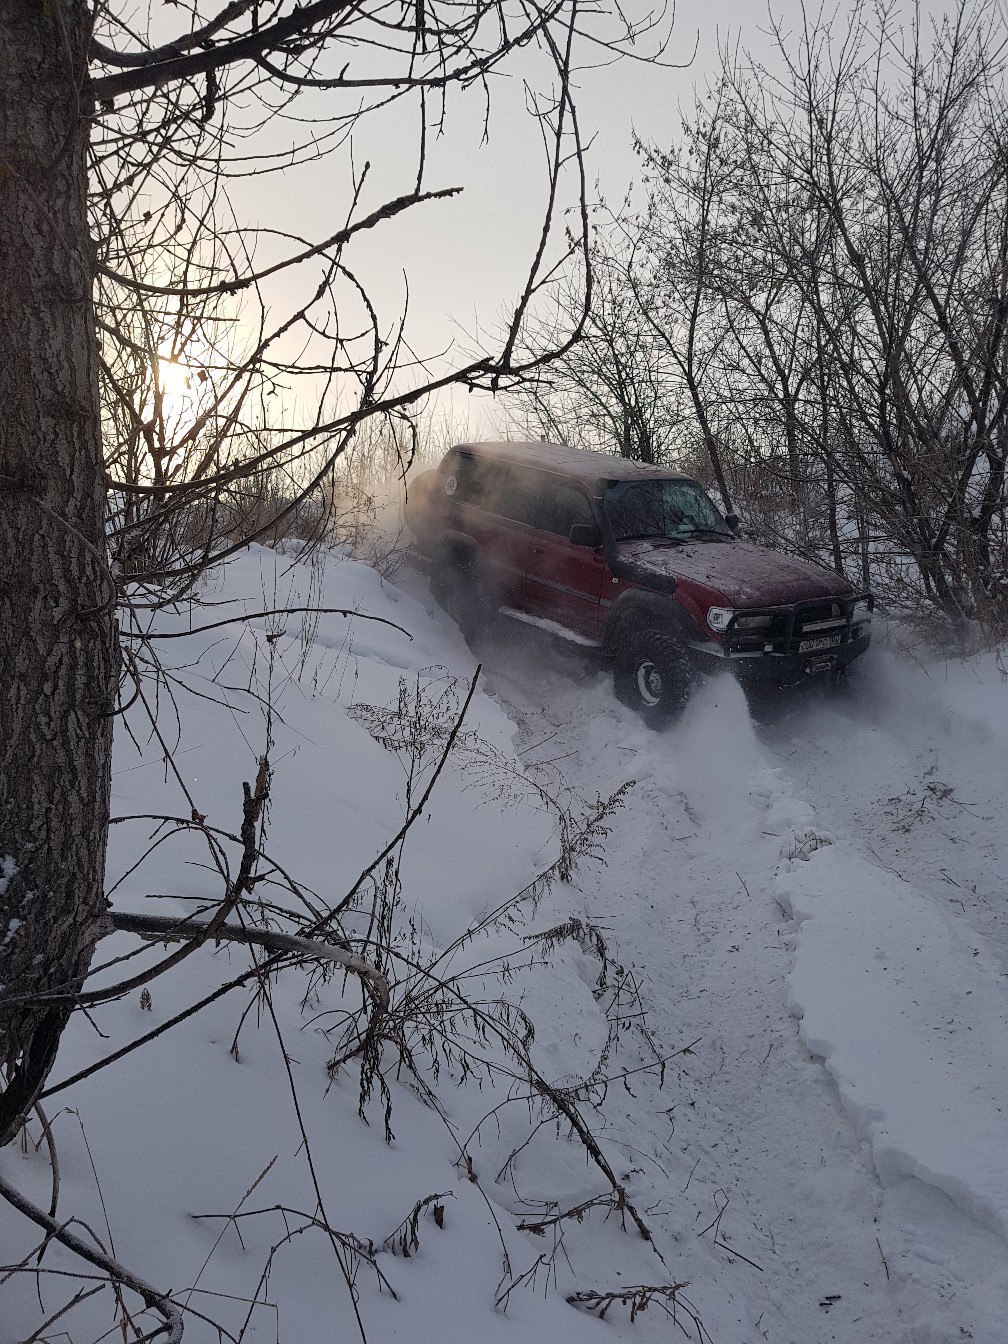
<point x="564" y="506"/>
<point x="518" y="497"/>
<point x="468" y="480"/>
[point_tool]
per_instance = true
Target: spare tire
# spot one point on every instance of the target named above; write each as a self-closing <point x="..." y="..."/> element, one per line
<point x="417" y="507"/>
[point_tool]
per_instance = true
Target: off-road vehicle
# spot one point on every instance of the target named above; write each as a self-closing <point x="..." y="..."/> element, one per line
<point x="629" y="560"/>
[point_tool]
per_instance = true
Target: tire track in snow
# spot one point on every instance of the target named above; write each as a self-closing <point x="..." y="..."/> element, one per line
<point x="803" y="1168"/>
<point x="751" y="1118"/>
<point x="900" y="968"/>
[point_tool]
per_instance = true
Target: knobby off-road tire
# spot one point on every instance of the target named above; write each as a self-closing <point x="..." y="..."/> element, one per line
<point x="457" y="586"/>
<point x="653" y="675"/>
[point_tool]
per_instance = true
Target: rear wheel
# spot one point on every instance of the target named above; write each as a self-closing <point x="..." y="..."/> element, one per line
<point x="653" y="675"/>
<point x="458" y="587"/>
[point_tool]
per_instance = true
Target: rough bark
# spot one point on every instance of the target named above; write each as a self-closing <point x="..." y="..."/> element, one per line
<point x="57" y="625"/>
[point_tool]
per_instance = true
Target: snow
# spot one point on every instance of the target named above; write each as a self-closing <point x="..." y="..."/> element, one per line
<point x="802" y="905"/>
<point x="919" y="1056"/>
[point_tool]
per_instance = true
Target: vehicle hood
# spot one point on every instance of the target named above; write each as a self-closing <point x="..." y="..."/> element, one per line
<point x="743" y="574"/>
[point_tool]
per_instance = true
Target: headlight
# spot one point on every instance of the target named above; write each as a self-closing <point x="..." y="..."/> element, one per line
<point x="862" y="611"/>
<point x="753" y="622"/>
<point x="718" y="618"/>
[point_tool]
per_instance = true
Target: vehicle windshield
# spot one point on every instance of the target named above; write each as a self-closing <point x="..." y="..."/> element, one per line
<point x="661" y="510"/>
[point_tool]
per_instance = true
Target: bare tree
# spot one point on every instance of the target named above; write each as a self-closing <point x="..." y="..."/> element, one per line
<point x="123" y="269"/>
<point x="846" y="215"/>
<point x="911" y="176"/>
<point x="675" y="262"/>
<point x="767" y="353"/>
<point x="612" y="389"/>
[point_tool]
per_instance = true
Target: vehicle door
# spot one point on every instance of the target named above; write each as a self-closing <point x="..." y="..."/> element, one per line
<point x="513" y="504"/>
<point x="565" y="576"/>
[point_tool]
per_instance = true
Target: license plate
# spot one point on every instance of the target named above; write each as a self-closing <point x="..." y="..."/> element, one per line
<point x="814" y="645"/>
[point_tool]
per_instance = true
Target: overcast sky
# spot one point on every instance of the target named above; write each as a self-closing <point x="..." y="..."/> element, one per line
<point x="467" y="258"/>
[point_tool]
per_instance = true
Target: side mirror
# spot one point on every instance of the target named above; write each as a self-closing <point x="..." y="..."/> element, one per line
<point x="585" y="534"/>
<point x="734" y="523"/>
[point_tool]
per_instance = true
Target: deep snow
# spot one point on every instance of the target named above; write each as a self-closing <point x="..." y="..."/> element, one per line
<point x="808" y="895"/>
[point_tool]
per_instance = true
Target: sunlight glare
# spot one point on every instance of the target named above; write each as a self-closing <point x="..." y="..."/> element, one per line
<point x="176" y="387"/>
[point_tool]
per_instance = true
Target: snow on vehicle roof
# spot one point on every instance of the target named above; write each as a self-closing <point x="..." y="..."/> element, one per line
<point x="585" y="464"/>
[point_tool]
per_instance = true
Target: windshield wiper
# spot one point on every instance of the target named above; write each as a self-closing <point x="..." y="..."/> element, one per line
<point x="651" y="536"/>
<point x="709" y="532"/>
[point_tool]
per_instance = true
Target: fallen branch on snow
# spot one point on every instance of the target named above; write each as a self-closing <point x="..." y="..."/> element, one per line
<point x="117" y="1272"/>
<point x="165" y="928"/>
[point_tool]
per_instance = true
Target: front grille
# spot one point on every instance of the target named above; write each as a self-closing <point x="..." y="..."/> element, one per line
<point x="788" y="627"/>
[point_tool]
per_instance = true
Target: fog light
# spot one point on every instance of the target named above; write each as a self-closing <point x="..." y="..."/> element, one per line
<point x="718" y="618"/>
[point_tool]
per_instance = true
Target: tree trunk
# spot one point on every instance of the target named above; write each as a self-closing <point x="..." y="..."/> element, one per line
<point x="710" y="442"/>
<point x="645" y="448"/>
<point x="626" y="439"/>
<point x="57" y="622"/>
<point x="831" y="506"/>
<point x="799" y="498"/>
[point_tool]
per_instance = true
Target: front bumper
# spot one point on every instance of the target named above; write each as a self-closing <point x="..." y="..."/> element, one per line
<point x="796" y="643"/>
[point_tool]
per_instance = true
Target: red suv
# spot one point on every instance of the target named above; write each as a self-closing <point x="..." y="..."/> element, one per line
<point x="632" y="561"/>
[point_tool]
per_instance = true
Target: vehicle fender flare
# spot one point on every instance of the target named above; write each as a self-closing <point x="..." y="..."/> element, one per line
<point x="650" y="580"/>
<point x="637" y="608"/>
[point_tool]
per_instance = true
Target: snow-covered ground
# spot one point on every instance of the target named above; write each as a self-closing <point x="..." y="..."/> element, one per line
<point x="842" y="859"/>
<point x="802" y="908"/>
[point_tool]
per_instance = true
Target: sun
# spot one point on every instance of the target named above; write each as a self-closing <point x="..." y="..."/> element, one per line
<point x="176" y="387"/>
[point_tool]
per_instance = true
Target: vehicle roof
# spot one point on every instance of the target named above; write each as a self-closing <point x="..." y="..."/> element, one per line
<point x="583" y="464"/>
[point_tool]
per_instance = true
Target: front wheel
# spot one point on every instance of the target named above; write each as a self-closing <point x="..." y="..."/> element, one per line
<point x="653" y="675"/>
<point x="845" y="682"/>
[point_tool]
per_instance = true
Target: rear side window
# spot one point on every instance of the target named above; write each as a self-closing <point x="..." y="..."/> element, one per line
<point x="469" y="480"/>
<point x="564" y="506"/>
<point x="518" y="498"/>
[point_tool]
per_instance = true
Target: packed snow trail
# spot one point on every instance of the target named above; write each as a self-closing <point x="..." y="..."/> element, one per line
<point x="857" y="1141"/>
